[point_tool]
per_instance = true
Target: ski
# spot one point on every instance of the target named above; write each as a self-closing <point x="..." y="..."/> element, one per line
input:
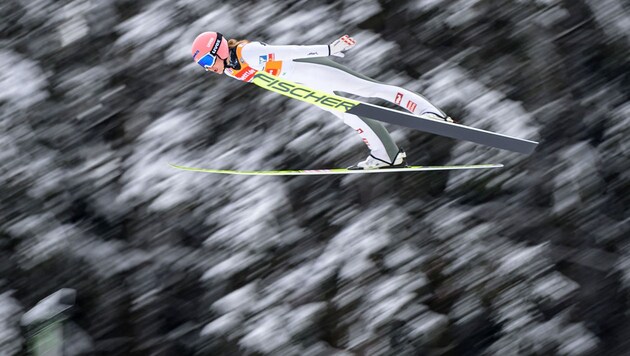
<point x="443" y="128"/>
<point x="335" y="171"/>
<point x="345" y="105"/>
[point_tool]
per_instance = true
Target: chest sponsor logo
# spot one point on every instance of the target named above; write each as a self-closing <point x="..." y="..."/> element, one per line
<point x="247" y="74"/>
<point x="302" y="93"/>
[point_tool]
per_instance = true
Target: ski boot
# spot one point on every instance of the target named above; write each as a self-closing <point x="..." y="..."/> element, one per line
<point x="434" y="116"/>
<point x="371" y="162"/>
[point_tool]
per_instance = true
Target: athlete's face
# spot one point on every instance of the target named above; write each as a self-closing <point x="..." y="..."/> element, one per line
<point x="218" y="66"/>
<point x="212" y="63"/>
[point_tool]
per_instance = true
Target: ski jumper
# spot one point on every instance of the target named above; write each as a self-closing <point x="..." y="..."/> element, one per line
<point x="306" y="65"/>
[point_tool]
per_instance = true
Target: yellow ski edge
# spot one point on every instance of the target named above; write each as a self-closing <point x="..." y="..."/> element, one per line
<point x="333" y="171"/>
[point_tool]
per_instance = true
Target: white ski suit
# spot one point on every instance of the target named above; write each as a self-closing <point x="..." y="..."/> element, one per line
<point x="305" y="65"/>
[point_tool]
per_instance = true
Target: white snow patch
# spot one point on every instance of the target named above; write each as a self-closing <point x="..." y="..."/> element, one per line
<point x="301" y="26"/>
<point x="448" y="221"/>
<point x="38" y="10"/>
<point x="224" y="325"/>
<point x="269" y="333"/>
<point x="146" y="25"/>
<point x="22" y="82"/>
<point x="228" y="267"/>
<point x="74" y="25"/>
<point x="369" y="50"/>
<point x="425" y="5"/>
<point x="362" y="236"/>
<point x="429" y="326"/>
<point x="623" y="265"/>
<point x="42" y="236"/>
<point x="466" y="309"/>
<point x="357" y="11"/>
<point x="240" y="300"/>
<point x="613" y="16"/>
<point x="540" y="2"/>
<point x="516" y="315"/>
<point x="462" y="12"/>
<point x="580" y="169"/>
<point x="524" y="261"/>
<point x="403" y="256"/>
<point x="251" y="218"/>
<point x="108" y="258"/>
<point x="555" y="287"/>
<point x="385" y="310"/>
<point x="148" y="174"/>
<point x="303" y="317"/>
<point x="577" y="340"/>
<point x="10" y="334"/>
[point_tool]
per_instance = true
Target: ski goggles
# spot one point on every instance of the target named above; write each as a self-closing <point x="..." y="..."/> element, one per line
<point x="207" y="61"/>
<point x="210" y="58"/>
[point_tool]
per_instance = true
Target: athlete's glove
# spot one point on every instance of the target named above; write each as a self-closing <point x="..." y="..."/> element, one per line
<point x="341" y="45"/>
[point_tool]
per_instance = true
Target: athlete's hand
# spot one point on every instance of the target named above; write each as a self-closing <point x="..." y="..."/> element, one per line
<point x="341" y="45"/>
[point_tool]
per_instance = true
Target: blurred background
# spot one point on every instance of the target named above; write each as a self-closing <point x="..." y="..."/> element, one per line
<point x="106" y="250"/>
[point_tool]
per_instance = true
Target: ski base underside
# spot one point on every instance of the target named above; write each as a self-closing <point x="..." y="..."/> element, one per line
<point x="335" y="171"/>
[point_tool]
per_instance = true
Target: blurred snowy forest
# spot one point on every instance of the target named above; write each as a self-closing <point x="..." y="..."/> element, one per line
<point x="96" y="97"/>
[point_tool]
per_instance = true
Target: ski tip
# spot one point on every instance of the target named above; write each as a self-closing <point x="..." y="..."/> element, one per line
<point x="176" y="166"/>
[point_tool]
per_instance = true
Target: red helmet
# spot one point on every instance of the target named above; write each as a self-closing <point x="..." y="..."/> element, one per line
<point x="207" y="47"/>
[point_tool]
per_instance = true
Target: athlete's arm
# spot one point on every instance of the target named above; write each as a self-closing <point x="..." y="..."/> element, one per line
<point x="254" y="50"/>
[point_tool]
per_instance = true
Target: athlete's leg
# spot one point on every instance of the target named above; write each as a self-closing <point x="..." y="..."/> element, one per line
<point x="346" y="80"/>
<point x="373" y="134"/>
